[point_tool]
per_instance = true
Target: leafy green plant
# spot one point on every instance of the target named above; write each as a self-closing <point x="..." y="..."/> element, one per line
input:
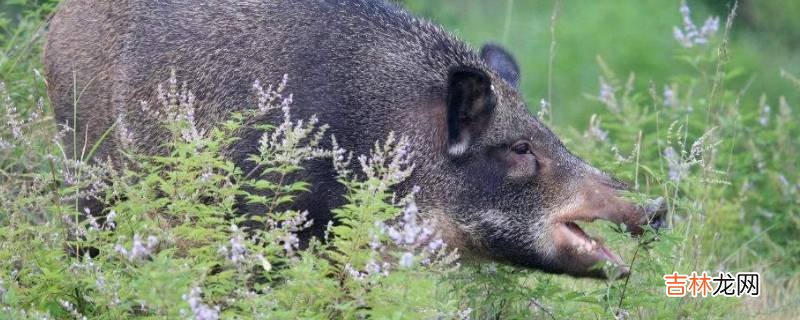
<point x="171" y="244"/>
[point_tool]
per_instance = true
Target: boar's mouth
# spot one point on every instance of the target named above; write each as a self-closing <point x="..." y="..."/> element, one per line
<point x="587" y="251"/>
<point x="581" y="253"/>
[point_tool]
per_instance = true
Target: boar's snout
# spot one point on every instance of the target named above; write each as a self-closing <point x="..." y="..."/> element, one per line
<point x="599" y="198"/>
<point x="656" y="212"/>
<point x="608" y="204"/>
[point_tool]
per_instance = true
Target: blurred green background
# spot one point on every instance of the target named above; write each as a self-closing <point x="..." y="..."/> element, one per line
<point x="631" y="36"/>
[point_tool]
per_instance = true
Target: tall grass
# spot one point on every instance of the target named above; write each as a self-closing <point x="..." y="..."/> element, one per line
<point x="170" y="244"/>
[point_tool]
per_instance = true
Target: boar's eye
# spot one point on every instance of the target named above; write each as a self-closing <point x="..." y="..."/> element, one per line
<point x="522" y="148"/>
<point x="523" y="164"/>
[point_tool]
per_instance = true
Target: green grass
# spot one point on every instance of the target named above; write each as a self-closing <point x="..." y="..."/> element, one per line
<point x="731" y="182"/>
<point x="631" y="36"/>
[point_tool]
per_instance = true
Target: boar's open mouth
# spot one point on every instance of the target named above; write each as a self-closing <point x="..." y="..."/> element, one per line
<point x="581" y="252"/>
<point x="590" y="250"/>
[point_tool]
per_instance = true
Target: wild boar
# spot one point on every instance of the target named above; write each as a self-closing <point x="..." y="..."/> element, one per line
<point x="500" y="184"/>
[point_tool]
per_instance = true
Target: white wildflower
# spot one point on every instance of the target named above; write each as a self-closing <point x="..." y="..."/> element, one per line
<point x="139" y="250"/>
<point x="109" y="223"/>
<point x="670" y="98"/>
<point x="544" y="109"/>
<point x="677" y="168"/>
<point x="238" y="250"/>
<point x="464" y="314"/>
<point x="690" y="35"/>
<point x="389" y="164"/>
<point x="410" y="231"/>
<point x="90" y="267"/>
<point x="2" y="291"/>
<point x="200" y="311"/>
<point x="435" y="245"/>
<point x="341" y="159"/>
<point x="764" y="116"/>
<point x="406" y="260"/>
<point x="787" y="187"/>
<point x="375" y="242"/>
<point x="177" y="108"/>
<point x="594" y="131"/>
<point x="294" y="224"/>
<point x="608" y="95"/>
<point x="267" y="99"/>
<point x="124" y="134"/>
<point x="291" y="142"/>
<point x="374" y="268"/>
<point x="71" y="309"/>
<point x="355" y="274"/>
<point x="14" y="123"/>
<point x="13" y="120"/>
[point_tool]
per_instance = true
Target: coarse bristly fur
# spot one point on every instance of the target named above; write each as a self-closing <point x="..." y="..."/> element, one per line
<point x="365" y="68"/>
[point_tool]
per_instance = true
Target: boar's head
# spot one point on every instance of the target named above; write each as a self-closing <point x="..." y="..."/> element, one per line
<point x="507" y="187"/>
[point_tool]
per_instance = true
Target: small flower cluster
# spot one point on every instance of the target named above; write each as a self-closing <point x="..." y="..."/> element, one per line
<point x="237" y="251"/>
<point x="286" y="225"/>
<point x="414" y="233"/>
<point x="238" y="254"/>
<point x="71" y="309"/>
<point x="670" y="97"/>
<point x="595" y="131"/>
<point x="15" y="122"/>
<point x="200" y="311"/>
<point x="140" y="250"/>
<point x="291" y="226"/>
<point x="341" y="159"/>
<point x="544" y="110"/>
<point x="764" y="111"/>
<point x="691" y="35"/>
<point x="680" y="164"/>
<point x="389" y="164"/>
<point x="177" y="109"/>
<point x="89" y="267"/>
<point x="90" y="178"/>
<point x="12" y="119"/>
<point x="19" y="132"/>
<point x="412" y="236"/>
<point x="124" y="135"/>
<point x="371" y="269"/>
<point x="464" y="314"/>
<point x="107" y="225"/>
<point x="608" y="95"/>
<point x="272" y="97"/>
<point x="677" y="168"/>
<point x="292" y="141"/>
<point x="788" y="188"/>
<point x="2" y="291"/>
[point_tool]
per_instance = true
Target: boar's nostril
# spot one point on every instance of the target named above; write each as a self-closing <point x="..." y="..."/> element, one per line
<point x="656" y="212"/>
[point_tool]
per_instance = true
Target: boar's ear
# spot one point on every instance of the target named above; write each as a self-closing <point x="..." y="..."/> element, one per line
<point x="502" y="62"/>
<point x="470" y="103"/>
